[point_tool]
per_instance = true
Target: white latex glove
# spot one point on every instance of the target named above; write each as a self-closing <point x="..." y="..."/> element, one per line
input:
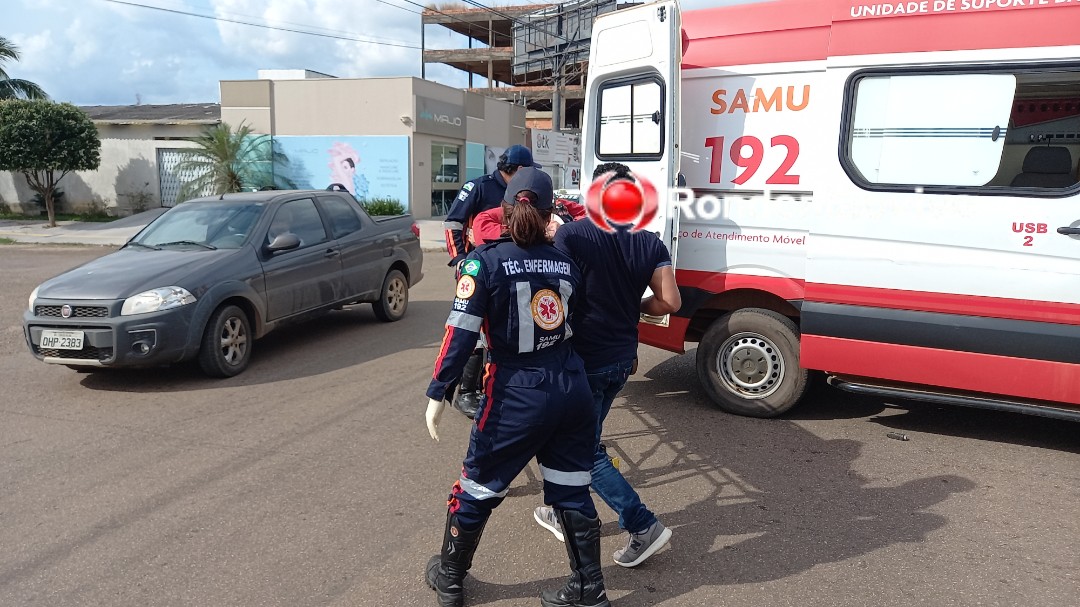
<point x="434" y="414"/>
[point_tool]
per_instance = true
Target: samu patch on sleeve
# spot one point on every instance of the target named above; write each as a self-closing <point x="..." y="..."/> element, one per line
<point x="466" y="287"/>
<point x="471" y="268"/>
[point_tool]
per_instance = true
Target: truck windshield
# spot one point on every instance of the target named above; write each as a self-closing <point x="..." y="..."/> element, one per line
<point x="221" y="226"/>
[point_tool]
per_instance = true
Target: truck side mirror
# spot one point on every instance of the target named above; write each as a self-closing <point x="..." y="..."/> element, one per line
<point x="284" y="242"/>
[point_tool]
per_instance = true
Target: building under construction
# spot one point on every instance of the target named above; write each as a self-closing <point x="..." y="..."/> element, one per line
<point x="534" y="55"/>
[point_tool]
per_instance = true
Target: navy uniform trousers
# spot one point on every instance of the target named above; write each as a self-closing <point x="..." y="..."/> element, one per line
<point x="538" y="399"/>
<point x="541" y="409"/>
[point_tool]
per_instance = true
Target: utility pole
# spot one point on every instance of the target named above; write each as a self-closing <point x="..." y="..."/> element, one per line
<point x="556" y="105"/>
<point x="557" y="69"/>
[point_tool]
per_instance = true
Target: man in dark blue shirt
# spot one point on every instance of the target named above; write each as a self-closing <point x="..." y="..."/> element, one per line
<point x="480" y="194"/>
<point x="616" y="269"/>
<point x="476" y="196"/>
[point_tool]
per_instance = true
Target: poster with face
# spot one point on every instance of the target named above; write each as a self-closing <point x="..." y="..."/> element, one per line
<point x="368" y="167"/>
<point x="491" y="158"/>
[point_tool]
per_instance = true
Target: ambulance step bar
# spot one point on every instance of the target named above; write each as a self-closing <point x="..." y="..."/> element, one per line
<point x="865" y="387"/>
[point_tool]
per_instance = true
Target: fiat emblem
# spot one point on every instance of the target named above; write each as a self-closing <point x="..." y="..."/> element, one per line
<point x="65" y="311"/>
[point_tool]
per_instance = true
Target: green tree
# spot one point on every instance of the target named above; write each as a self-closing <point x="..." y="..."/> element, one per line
<point x="45" y="141"/>
<point x="13" y="88"/>
<point x="227" y="160"/>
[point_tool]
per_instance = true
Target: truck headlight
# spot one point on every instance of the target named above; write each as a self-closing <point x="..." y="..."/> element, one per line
<point x="33" y="296"/>
<point x="156" y="300"/>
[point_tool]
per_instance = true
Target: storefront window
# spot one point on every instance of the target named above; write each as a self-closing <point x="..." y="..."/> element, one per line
<point x="447" y="166"/>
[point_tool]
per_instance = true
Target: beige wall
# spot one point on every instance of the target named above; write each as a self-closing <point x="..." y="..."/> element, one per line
<point x="373" y="106"/>
<point x="128" y="166"/>
<point x="420" y="189"/>
<point x="323" y="106"/>
<point x="502" y="125"/>
<point x="247" y="102"/>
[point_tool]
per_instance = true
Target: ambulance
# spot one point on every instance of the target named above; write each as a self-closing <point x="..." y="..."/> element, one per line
<point x="882" y="193"/>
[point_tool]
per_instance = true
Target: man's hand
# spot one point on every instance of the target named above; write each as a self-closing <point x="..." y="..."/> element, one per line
<point x="433" y="415"/>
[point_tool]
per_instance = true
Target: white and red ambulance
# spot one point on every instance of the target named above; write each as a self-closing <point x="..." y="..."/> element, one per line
<point x="886" y="192"/>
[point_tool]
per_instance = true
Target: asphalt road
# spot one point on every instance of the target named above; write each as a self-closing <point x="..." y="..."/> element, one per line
<point x="310" y="480"/>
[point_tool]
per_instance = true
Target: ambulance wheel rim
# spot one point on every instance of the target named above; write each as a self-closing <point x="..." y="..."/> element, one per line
<point x="750" y="365"/>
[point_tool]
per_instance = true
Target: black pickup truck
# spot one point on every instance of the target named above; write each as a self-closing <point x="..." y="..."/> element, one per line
<point x="211" y="275"/>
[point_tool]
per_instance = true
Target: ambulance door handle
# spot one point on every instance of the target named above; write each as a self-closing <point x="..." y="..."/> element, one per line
<point x="1069" y="231"/>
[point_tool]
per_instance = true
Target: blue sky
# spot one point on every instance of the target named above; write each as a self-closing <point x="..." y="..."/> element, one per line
<point x="96" y="52"/>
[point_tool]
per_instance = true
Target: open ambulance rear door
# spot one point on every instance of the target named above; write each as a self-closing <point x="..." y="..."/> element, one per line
<point x="632" y="100"/>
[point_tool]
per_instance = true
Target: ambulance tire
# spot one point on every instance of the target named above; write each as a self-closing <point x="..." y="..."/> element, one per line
<point x="748" y="363"/>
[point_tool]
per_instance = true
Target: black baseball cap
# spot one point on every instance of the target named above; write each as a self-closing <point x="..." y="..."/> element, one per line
<point x="535" y="181"/>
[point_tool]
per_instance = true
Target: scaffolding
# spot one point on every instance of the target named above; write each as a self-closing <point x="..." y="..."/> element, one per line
<point x="536" y="55"/>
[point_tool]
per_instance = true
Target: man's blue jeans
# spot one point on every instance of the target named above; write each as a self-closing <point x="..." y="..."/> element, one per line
<point x="607" y="482"/>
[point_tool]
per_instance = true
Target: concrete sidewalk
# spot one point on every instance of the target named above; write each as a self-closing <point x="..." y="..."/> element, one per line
<point x="116" y="233"/>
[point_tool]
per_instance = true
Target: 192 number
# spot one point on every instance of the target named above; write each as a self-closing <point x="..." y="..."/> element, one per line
<point x="750" y="164"/>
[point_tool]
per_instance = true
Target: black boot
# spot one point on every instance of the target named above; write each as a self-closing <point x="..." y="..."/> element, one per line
<point x="468" y="397"/>
<point x="585" y="586"/>
<point x="446" y="572"/>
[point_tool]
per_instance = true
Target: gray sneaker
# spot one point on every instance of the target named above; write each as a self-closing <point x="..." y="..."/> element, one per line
<point x="545" y="515"/>
<point x="643" y="545"/>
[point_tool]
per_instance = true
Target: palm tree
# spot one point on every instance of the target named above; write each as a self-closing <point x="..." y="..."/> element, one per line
<point x="226" y="160"/>
<point x="13" y="88"/>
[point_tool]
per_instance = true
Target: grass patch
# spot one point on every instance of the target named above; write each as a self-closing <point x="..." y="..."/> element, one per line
<point x="6" y="241"/>
<point x="97" y="217"/>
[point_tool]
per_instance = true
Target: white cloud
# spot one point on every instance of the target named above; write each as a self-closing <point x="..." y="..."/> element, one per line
<point x="85" y="45"/>
<point x="35" y="51"/>
<point x="97" y="52"/>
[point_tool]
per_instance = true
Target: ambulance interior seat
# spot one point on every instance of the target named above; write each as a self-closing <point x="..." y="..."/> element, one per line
<point x="1046" y="167"/>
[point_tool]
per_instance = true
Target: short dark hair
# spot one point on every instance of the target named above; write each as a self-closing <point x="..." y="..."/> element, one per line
<point x="621" y="170"/>
<point x="507" y="167"/>
<point x="351" y="163"/>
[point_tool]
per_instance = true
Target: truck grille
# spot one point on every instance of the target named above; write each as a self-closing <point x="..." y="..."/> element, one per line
<point x="76" y="311"/>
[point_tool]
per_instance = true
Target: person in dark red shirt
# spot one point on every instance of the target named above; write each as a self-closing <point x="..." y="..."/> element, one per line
<point x="489" y="225"/>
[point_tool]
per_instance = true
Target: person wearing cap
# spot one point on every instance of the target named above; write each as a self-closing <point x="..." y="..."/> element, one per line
<point x="616" y="267"/>
<point x="476" y="196"/>
<point x="520" y="292"/>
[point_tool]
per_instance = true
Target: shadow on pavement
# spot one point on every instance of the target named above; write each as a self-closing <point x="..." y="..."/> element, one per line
<point x="770" y="499"/>
<point x="338" y="340"/>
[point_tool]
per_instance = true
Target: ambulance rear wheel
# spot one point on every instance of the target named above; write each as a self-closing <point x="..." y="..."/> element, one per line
<point x="748" y="363"/>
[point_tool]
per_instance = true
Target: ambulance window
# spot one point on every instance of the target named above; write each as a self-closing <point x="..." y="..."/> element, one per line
<point x="631" y="120"/>
<point x="930" y="130"/>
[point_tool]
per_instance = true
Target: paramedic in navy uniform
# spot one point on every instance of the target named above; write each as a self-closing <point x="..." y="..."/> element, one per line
<point x="476" y="196"/>
<point x="520" y="291"/>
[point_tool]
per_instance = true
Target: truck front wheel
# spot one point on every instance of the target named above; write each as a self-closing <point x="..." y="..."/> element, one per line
<point x="226" y="344"/>
<point x="748" y="363"/>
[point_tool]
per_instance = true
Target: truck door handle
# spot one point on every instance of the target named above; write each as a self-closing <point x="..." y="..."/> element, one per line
<point x="1069" y="231"/>
<point x="331" y="253"/>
